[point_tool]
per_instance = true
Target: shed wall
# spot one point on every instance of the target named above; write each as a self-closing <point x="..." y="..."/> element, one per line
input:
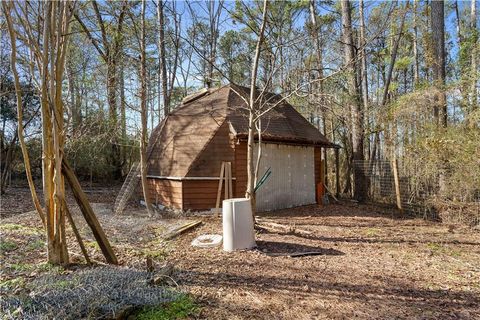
<point x="201" y="194"/>
<point x="239" y="169"/>
<point x="304" y="162"/>
<point x="166" y="192"/>
<point x="318" y="169"/>
<point x="292" y="182"/>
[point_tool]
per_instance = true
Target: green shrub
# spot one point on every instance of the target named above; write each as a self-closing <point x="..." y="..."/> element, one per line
<point x="181" y="308"/>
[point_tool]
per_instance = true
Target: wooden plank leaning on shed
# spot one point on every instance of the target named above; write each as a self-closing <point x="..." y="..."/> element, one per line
<point x="225" y="174"/>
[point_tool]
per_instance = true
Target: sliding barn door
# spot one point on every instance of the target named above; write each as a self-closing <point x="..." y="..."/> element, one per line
<point x="292" y="182"/>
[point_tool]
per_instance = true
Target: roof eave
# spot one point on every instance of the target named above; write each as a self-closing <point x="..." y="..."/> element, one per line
<point x="279" y="139"/>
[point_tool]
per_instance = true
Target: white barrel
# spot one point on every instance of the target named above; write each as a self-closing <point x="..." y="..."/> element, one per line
<point x="238" y="229"/>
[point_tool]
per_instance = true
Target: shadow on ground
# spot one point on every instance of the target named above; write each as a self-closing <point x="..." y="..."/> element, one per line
<point x="392" y="300"/>
<point x="274" y="247"/>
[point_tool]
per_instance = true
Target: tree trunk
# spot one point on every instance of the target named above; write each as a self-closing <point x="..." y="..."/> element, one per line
<point x="463" y="87"/>
<point x="56" y="25"/>
<point x="355" y="108"/>
<point x="7" y="162"/>
<point x="123" y="114"/>
<point x="438" y="37"/>
<point x="115" y="158"/>
<point x="415" y="44"/>
<point x="475" y="53"/>
<point x="162" y="58"/>
<point x="250" y="192"/>
<point x="439" y="72"/>
<point x="144" y="115"/>
<point x="318" y="51"/>
<point x="364" y="73"/>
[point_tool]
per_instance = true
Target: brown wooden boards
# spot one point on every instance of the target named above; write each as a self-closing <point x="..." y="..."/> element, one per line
<point x="88" y="214"/>
<point x="225" y="174"/>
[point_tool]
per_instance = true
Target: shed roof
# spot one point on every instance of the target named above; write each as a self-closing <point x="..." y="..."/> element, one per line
<point x="181" y="137"/>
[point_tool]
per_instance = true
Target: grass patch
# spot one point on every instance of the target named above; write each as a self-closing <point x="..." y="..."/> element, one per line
<point x="21" y="267"/>
<point x="372" y="232"/>
<point x="437" y="248"/>
<point x="7" y="245"/>
<point x="18" y="228"/>
<point x="12" y="283"/>
<point x="92" y="244"/>
<point x="156" y="249"/>
<point x="434" y="247"/>
<point x="181" y="308"/>
<point x="35" y="245"/>
<point x="62" y="284"/>
<point x="10" y="226"/>
<point x="44" y="267"/>
<point x="155" y="254"/>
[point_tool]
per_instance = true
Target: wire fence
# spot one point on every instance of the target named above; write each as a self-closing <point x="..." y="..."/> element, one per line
<point x="95" y="293"/>
<point x="415" y="193"/>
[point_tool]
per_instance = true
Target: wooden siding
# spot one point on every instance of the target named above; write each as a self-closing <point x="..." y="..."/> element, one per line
<point x="200" y="194"/>
<point x="209" y="161"/>
<point x="239" y="169"/>
<point x="166" y="192"/>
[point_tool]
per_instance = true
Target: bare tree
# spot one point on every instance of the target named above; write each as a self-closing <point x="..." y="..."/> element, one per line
<point x="252" y="111"/>
<point x="207" y="31"/>
<point x="162" y="59"/>
<point x="46" y="38"/>
<point x="439" y="72"/>
<point x="415" y="44"/>
<point x="363" y="55"/>
<point x="143" y="112"/>
<point x="357" y="127"/>
<point x="475" y="53"/>
<point x="109" y="47"/>
<point x="316" y="31"/>
<point x="20" y="128"/>
<point x="51" y="63"/>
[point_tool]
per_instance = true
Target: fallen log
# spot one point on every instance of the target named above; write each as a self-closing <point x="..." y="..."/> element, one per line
<point x="275" y="227"/>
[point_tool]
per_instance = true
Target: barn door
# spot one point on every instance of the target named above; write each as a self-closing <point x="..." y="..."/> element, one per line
<point x="292" y="182"/>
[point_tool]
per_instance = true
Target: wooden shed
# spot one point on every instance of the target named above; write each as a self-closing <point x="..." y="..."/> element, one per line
<point x="187" y="148"/>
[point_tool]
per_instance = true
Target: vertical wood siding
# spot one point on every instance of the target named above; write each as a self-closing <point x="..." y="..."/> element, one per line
<point x="292" y="182"/>
<point x="166" y="192"/>
<point x="318" y="168"/>
<point x="239" y="170"/>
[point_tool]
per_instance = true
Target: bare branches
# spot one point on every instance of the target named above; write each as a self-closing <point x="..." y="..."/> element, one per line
<point x="18" y="91"/>
<point x="250" y="192"/>
<point x="90" y="37"/>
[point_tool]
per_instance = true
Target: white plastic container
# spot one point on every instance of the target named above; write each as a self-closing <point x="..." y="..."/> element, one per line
<point x="238" y="229"/>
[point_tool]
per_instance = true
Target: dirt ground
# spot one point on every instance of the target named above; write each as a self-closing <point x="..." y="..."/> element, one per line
<point x="375" y="265"/>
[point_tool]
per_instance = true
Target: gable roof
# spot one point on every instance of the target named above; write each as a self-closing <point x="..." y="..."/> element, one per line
<point x="281" y="124"/>
<point x="181" y="137"/>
